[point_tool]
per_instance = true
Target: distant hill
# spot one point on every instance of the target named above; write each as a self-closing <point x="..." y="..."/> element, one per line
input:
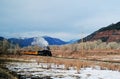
<point x="54" y="41"/>
<point x="28" y="41"/>
<point x="22" y="42"/>
<point x="2" y="38"/>
<point x="110" y="33"/>
<point x="72" y="41"/>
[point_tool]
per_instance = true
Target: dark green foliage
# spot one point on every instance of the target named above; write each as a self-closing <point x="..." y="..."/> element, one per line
<point x="111" y="27"/>
<point x="104" y="39"/>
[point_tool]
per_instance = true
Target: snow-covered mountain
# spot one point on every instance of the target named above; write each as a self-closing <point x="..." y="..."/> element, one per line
<point x="41" y="41"/>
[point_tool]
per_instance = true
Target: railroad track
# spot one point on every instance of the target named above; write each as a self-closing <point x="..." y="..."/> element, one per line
<point x="83" y="59"/>
<point x="90" y="60"/>
<point x="66" y="58"/>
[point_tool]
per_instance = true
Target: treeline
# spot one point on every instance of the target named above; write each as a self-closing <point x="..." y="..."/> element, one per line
<point x="89" y="48"/>
<point x="90" y="45"/>
<point x="8" y="48"/>
<point x="96" y="45"/>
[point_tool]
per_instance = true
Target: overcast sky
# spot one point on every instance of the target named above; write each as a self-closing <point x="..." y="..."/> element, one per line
<point x="64" y="19"/>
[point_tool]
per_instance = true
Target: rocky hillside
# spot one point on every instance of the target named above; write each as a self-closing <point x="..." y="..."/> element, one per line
<point x="110" y="33"/>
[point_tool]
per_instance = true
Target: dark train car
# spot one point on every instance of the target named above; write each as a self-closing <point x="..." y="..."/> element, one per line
<point x="45" y="53"/>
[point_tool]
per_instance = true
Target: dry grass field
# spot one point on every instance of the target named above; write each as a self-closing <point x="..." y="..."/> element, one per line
<point x="111" y="62"/>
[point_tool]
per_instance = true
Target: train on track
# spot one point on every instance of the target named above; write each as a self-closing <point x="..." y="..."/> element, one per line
<point x="45" y="52"/>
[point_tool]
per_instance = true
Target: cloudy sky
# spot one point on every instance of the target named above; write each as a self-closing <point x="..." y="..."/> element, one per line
<point x="64" y="19"/>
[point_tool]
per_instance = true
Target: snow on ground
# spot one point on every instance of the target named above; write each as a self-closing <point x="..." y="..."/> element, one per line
<point x="59" y="71"/>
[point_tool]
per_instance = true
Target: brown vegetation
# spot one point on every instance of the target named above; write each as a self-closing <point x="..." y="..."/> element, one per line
<point x="96" y="48"/>
<point x="67" y="62"/>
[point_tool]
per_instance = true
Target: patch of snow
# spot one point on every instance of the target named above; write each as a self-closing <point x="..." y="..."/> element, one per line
<point x="90" y="73"/>
<point x="59" y="71"/>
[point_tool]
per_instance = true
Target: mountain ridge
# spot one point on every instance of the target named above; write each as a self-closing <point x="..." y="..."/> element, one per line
<point x="110" y="33"/>
<point x="28" y="41"/>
